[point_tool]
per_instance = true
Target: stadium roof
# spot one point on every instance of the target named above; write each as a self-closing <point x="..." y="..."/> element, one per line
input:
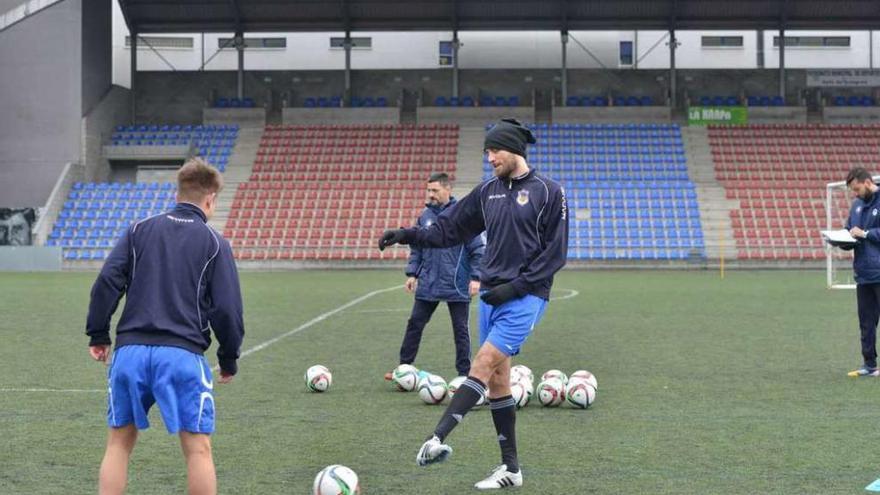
<point x="169" y="16"/>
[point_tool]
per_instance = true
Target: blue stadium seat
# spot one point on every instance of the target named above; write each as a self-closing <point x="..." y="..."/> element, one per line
<point x="441" y="101"/>
<point x="705" y="101"/>
<point x="310" y="102"/>
<point x="513" y="101"/>
<point x="467" y="101"/>
<point x="731" y="101"/>
<point x="381" y="102"/>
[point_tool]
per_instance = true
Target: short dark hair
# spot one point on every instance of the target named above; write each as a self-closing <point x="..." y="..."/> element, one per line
<point x="858" y="174"/>
<point x="196" y="180"/>
<point x="441" y="177"/>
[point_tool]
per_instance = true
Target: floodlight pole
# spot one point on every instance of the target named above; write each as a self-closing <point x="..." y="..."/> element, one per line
<point x="134" y="46"/>
<point x="239" y="47"/>
<point x="564" y="67"/>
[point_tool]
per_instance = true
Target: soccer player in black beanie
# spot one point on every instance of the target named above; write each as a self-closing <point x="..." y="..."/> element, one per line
<point x="525" y="217"/>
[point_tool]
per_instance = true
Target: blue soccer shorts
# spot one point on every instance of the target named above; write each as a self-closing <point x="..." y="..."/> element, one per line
<point x="509" y="325"/>
<point x="178" y="380"/>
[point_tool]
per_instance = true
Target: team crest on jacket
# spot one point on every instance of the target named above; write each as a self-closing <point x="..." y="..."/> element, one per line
<point x="522" y="197"/>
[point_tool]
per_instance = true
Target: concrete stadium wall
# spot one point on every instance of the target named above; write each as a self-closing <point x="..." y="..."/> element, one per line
<point x="41" y="103"/>
<point x="97" y="52"/>
<point x="97" y="126"/>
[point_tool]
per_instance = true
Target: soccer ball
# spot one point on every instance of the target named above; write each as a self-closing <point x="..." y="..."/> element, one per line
<point x="554" y="374"/>
<point x="550" y="392"/>
<point x="336" y="480"/>
<point x="318" y="378"/>
<point x="521" y="392"/>
<point x="584" y="376"/>
<point x="521" y="371"/>
<point x="406" y="377"/>
<point x="453" y="385"/>
<point x="580" y="394"/>
<point x="432" y="389"/>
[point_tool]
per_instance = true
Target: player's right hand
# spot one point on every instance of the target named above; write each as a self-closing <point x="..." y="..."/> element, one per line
<point x="411" y="284"/>
<point x="100" y="352"/>
<point x="391" y="237"/>
<point x="225" y="377"/>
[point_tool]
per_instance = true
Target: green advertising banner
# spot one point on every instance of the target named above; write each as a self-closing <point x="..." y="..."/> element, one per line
<point x="718" y="115"/>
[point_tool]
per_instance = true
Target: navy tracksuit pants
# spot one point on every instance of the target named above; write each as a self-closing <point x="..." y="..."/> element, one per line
<point x="868" y="298"/>
<point x="421" y="314"/>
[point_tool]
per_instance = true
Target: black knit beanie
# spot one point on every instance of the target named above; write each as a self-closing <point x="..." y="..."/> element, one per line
<point x="509" y="135"/>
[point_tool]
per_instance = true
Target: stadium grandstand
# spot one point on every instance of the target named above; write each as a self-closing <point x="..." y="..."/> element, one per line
<point x="693" y="138"/>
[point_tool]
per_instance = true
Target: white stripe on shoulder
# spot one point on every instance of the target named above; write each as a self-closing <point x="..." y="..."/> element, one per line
<point x="201" y="275"/>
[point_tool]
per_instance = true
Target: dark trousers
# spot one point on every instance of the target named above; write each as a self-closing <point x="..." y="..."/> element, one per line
<point x="421" y="314"/>
<point x="868" y="297"/>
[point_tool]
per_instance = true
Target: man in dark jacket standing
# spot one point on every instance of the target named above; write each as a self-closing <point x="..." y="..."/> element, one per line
<point x="525" y="217"/>
<point x="441" y="274"/>
<point x="864" y="225"/>
<point x="180" y="282"/>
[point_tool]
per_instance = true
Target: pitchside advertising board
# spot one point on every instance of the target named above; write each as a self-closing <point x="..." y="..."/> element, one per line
<point x="843" y="78"/>
<point x="718" y="115"/>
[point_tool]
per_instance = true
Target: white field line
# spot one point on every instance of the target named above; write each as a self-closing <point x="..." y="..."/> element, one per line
<point x="317" y="319"/>
<point x="54" y="390"/>
<point x="571" y="293"/>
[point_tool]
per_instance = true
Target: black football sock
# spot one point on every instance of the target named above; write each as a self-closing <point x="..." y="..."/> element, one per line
<point x="466" y="397"/>
<point x="504" y="417"/>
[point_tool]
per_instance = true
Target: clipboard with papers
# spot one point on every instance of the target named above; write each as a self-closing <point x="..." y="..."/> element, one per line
<point x="839" y="238"/>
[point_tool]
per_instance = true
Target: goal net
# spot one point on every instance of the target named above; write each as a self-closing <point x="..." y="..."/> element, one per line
<point x="838" y="263"/>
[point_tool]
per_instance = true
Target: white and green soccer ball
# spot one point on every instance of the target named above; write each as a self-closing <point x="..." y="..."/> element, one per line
<point x="452" y="386"/>
<point x="522" y="392"/>
<point x="432" y="389"/>
<point x="318" y="378"/>
<point x="550" y="392"/>
<point x="580" y="394"/>
<point x="336" y="480"/>
<point x="585" y="376"/>
<point x="521" y="371"/>
<point x="405" y="377"/>
<point x="554" y="374"/>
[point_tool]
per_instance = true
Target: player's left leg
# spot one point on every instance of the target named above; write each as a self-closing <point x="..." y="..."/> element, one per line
<point x="200" y="474"/>
<point x="114" y="468"/>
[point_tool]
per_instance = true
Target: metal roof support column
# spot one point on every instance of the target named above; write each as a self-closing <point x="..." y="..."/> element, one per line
<point x="456" y="44"/>
<point x="564" y="68"/>
<point x="782" y="62"/>
<point x="239" y="47"/>
<point x="346" y="44"/>
<point x="673" y="83"/>
<point x="134" y="49"/>
<point x="783" y="20"/>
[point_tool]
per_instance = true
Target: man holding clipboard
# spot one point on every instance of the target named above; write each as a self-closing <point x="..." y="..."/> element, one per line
<point x="863" y="225"/>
